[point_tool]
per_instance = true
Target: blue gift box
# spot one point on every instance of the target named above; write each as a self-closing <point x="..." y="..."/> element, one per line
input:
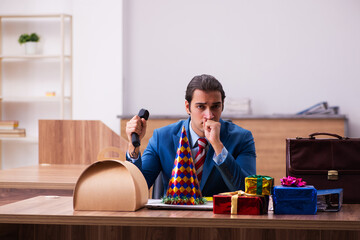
<point x="295" y="200"/>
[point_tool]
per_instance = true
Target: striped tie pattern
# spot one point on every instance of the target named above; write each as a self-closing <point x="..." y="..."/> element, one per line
<point x="200" y="158"/>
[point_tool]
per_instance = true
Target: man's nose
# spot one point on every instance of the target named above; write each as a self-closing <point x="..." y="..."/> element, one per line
<point x="208" y="114"/>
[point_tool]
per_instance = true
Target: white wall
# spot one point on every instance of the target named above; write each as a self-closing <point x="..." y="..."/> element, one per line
<point x="8" y="7"/>
<point x="97" y="64"/>
<point x="98" y="61"/>
<point x="283" y="55"/>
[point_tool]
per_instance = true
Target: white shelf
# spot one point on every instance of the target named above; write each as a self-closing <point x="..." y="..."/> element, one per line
<point x="29" y="139"/>
<point x="50" y="56"/>
<point x="25" y="79"/>
<point x="33" y="99"/>
<point x="36" y="16"/>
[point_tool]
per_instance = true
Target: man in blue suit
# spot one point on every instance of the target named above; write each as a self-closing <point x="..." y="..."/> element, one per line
<point x="230" y="154"/>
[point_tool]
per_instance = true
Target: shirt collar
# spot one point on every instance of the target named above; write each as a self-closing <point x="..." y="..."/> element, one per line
<point x="194" y="137"/>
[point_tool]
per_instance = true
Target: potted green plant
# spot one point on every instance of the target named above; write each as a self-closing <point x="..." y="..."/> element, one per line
<point x="30" y="42"/>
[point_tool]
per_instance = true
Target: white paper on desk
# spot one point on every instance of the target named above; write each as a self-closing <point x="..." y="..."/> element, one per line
<point x="157" y="204"/>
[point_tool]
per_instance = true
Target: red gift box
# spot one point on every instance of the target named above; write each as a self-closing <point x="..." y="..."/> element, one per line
<point x="241" y="205"/>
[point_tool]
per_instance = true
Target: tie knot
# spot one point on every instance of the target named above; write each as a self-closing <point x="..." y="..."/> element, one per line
<point x="202" y="142"/>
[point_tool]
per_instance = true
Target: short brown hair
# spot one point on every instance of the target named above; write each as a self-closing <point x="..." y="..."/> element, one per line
<point x="205" y="83"/>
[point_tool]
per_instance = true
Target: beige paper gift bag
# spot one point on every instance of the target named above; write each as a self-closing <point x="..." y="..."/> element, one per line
<point x="110" y="184"/>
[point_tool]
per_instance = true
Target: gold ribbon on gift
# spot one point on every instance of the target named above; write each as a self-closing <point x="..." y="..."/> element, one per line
<point x="234" y="198"/>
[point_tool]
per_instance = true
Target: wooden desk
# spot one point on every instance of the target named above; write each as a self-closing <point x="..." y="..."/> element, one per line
<point x="44" y="179"/>
<point x="53" y="218"/>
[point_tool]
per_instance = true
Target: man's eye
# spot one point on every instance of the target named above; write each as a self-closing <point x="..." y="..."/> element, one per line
<point x="215" y="107"/>
<point x="200" y="107"/>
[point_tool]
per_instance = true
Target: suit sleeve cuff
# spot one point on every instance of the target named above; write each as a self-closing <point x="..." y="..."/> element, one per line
<point x="133" y="160"/>
<point x="219" y="159"/>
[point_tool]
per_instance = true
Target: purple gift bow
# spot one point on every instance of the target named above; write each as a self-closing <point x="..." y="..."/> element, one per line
<point x="292" y="182"/>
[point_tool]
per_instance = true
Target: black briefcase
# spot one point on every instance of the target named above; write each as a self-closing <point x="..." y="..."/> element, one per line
<point x="326" y="163"/>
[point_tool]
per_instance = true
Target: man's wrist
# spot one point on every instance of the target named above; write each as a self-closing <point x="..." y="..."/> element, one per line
<point x="218" y="148"/>
<point x="133" y="151"/>
<point x="134" y="155"/>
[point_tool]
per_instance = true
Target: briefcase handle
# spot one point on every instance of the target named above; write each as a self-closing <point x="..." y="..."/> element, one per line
<point x="312" y="136"/>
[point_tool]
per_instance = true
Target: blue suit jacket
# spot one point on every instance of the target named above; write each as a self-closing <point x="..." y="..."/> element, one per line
<point x="228" y="176"/>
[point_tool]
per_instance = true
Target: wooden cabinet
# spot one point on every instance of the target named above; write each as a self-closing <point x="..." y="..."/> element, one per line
<point x="270" y="138"/>
<point x="270" y="133"/>
<point x="77" y="141"/>
<point x="34" y="86"/>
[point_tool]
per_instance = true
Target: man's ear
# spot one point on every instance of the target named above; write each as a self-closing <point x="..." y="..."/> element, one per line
<point x="187" y="107"/>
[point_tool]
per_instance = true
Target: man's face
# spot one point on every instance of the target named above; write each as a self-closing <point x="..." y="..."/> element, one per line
<point x="204" y="106"/>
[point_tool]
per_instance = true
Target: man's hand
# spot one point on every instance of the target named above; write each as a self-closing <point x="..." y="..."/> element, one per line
<point x="135" y="125"/>
<point x="212" y="134"/>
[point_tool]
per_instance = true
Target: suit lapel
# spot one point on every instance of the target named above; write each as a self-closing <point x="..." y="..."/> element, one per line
<point x="176" y="137"/>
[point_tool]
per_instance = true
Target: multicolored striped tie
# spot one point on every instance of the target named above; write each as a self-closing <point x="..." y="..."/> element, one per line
<point x="200" y="157"/>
